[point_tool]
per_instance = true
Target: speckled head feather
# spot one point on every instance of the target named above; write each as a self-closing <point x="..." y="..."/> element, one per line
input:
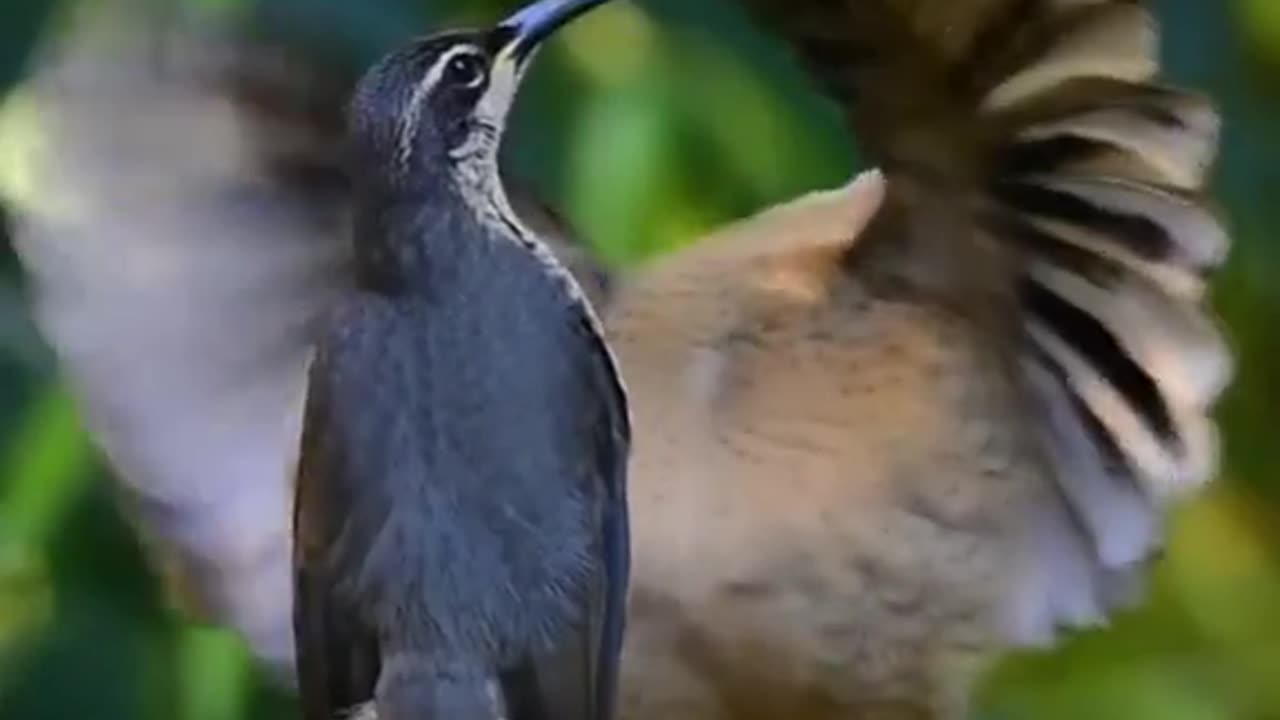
<point x="427" y="122"/>
<point x="441" y="103"/>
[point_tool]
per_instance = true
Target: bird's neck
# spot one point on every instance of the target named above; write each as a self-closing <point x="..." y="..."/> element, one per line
<point x="429" y="238"/>
<point x="478" y="183"/>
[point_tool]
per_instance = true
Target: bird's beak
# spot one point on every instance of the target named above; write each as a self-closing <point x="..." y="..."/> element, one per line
<point x="522" y="33"/>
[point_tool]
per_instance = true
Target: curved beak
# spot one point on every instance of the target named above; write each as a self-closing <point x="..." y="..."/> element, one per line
<point x="523" y="32"/>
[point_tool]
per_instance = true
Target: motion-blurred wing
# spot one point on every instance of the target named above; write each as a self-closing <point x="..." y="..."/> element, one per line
<point x="177" y="274"/>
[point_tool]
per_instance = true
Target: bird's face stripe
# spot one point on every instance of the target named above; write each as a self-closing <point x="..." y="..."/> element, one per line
<point x="490" y="113"/>
<point x="408" y="128"/>
<point x="503" y="80"/>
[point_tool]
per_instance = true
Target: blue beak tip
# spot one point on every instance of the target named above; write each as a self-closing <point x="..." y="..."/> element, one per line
<point x="537" y="21"/>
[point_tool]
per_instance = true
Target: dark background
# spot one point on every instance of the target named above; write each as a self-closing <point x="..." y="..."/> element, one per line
<point x="649" y="124"/>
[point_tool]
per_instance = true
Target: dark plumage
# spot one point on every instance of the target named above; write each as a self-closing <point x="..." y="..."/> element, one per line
<point x="460" y="520"/>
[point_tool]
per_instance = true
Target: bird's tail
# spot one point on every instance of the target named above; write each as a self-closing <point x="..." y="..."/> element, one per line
<point x="1046" y="122"/>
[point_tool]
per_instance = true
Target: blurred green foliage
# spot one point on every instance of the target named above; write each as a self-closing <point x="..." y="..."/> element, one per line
<point x="651" y="124"/>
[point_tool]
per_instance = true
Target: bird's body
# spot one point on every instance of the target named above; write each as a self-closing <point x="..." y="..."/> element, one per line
<point x="460" y="534"/>
<point x="473" y="541"/>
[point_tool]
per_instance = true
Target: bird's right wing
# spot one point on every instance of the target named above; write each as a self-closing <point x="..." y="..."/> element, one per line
<point x="178" y="258"/>
<point x="1043" y="125"/>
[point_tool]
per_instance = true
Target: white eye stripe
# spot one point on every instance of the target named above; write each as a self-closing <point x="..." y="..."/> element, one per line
<point x="413" y="112"/>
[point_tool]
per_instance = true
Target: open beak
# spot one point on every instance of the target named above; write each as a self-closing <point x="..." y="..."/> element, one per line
<point x="522" y="33"/>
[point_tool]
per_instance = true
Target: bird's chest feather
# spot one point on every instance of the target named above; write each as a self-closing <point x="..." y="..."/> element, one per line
<point x="458" y="468"/>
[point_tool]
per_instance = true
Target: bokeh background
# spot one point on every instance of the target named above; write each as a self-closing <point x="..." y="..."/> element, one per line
<point x="647" y="125"/>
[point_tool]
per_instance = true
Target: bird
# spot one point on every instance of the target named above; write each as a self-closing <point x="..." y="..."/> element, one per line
<point x="202" y="162"/>
<point x="460" y="522"/>
<point x="884" y="432"/>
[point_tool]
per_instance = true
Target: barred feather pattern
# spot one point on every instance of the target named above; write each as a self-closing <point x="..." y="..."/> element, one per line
<point x="1047" y="121"/>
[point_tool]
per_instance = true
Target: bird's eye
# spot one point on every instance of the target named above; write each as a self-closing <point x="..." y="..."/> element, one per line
<point x="465" y="70"/>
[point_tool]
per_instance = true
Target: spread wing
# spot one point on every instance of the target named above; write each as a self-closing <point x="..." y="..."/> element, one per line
<point x="177" y="274"/>
<point x="1045" y="125"/>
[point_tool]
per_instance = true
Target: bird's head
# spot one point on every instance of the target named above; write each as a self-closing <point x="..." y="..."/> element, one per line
<point x="441" y="103"/>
